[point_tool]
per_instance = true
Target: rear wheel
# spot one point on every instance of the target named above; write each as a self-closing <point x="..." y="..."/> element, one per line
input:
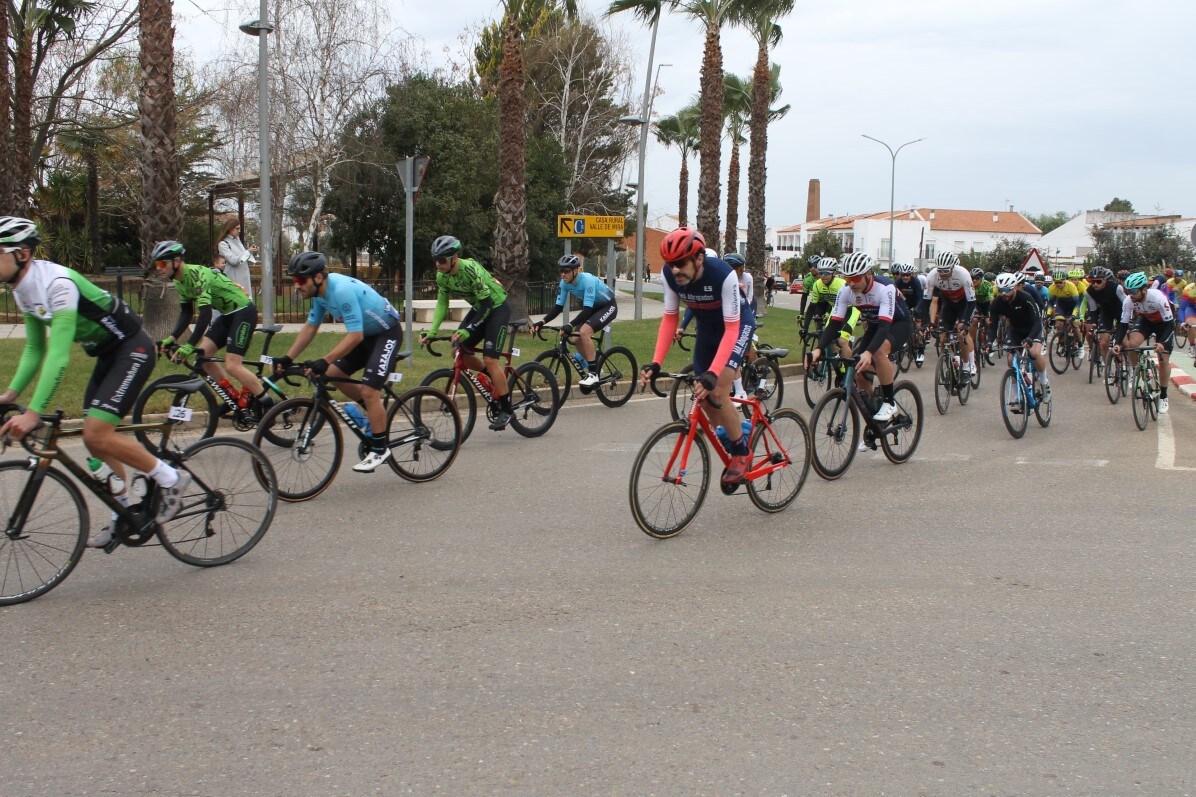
<point x="193" y="416"/>
<point x="617" y="373"/>
<point x="787" y="440"/>
<point x="942" y="384"/>
<point x="1014" y="407"/>
<point x="763" y="378"/>
<point x="815" y="382"/>
<point x="666" y="493"/>
<point x="901" y="434"/>
<point x="1141" y="399"/>
<point x="308" y="462"/>
<point x="461" y="394"/>
<point x="1112" y="378"/>
<point x="681" y="395"/>
<point x="424" y="434"/>
<point x="49" y="543"/>
<point x="964" y="386"/>
<point x="561" y="370"/>
<point x="1046" y="406"/>
<point x="834" y="434"/>
<point x="535" y="399"/>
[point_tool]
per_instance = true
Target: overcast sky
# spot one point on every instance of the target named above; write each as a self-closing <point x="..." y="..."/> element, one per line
<point x="1045" y="104"/>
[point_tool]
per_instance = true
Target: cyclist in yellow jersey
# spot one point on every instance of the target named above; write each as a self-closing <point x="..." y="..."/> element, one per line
<point x="1063" y="298"/>
<point x="1187" y="314"/>
<point x="822" y="300"/>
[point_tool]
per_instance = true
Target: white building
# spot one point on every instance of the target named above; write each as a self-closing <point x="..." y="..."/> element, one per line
<point x="1071" y="242"/>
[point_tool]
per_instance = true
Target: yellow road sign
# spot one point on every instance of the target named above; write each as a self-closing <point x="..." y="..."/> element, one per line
<point x="589" y="226"/>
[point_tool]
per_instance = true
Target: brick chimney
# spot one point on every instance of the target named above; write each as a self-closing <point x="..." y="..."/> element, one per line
<point x="814" y="201"/>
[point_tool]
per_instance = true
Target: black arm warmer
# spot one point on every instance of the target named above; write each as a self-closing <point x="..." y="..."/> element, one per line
<point x="201" y="324"/>
<point x="553" y="313"/>
<point x="582" y="317"/>
<point x="830" y="332"/>
<point x="185" y="310"/>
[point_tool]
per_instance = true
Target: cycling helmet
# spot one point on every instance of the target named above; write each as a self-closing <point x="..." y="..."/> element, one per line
<point x="568" y="262"/>
<point x="813" y="260"/>
<point x="1076" y="274"/>
<point x="305" y="264"/>
<point x="1010" y="279"/>
<point x="1047" y="278"/>
<point x="16" y="230"/>
<point x="977" y="273"/>
<point x="946" y="261"/>
<point x="1100" y="273"/>
<point x="857" y="263"/>
<point x="827" y="265"/>
<point x="988" y="275"/>
<point x="1168" y="273"/>
<point x="1122" y="274"/>
<point x="445" y="245"/>
<point x="682" y="243"/>
<point x="1058" y="275"/>
<point x="1135" y="281"/>
<point x="168" y="250"/>
<point x="905" y="268"/>
<point x="735" y="259"/>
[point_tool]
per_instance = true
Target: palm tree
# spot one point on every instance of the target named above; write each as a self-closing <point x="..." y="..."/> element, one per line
<point x="760" y="18"/>
<point x="161" y="209"/>
<point x="511" y="255"/>
<point x="737" y="105"/>
<point x="681" y="131"/>
<point x="6" y="198"/>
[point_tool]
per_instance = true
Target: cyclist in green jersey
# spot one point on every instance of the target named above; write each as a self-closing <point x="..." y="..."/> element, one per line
<point x="985" y="290"/>
<point x="208" y="291"/>
<point x="58" y="300"/>
<point x="462" y="278"/>
<point x="822" y="293"/>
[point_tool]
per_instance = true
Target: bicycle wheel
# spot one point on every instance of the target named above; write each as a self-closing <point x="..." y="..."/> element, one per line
<point x="561" y="370"/>
<point x="787" y="439"/>
<point x="1141" y="399"/>
<point x="834" y="434"/>
<point x="901" y="434"/>
<point x="1093" y="363"/>
<point x="1044" y="410"/>
<point x="1112" y="378"/>
<point x="228" y="507"/>
<point x="681" y="395"/>
<point x="905" y="358"/>
<point x="1076" y="355"/>
<point x="665" y="495"/>
<point x="1152" y="388"/>
<point x="1059" y="354"/>
<point x="618" y="374"/>
<point x="767" y="382"/>
<point x="535" y="397"/>
<point x="816" y="382"/>
<point x="424" y="434"/>
<point x="308" y="463"/>
<point x="1181" y="340"/>
<point x="975" y="382"/>
<point x="943" y="380"/>
<point x="194" y="414"/>
<point x="49" y="543"/>
<point x="963" y="386"/>
<point x="1014" y="407"/>
<point x="461" y="394"/>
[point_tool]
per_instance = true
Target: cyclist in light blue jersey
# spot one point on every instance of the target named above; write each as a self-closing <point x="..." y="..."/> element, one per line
<point x="598" y="310"/>
<point x="373" y="337"/>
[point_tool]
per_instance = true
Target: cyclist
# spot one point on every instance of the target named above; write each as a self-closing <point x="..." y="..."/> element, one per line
<point x="57" y="300"/>
<point x="1105" y="299"/>
<point x="1025" y="324"/>
<point x="910" y="288"/>
<point x="708" y="286"/>
<point x="1064" y="299"/>
<point x="888" y="317"/>
<point x="1187" y="314"/>
<point x="1174" y="287"/>
<point x="1147" y="312"/>
<point x="464" y="278"/>
<point x="746" y="283"/>
<point x="953" y="301"/>
<point x="212" y="293"/>
<point x="825" y="292"/>
<point x="984" y="295"/>
<point x="373" y="337"/>
<point x="807" y="282"/>
<point x="598" y="310"/>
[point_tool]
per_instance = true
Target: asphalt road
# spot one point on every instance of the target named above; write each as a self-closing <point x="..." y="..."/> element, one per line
<point x="995" y="617"/>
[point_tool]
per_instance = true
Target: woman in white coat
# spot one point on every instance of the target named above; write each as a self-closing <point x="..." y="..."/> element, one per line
<point x="237" y="256"/>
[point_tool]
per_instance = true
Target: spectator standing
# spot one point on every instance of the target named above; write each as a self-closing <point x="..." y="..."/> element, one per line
<point x="237" y="256"/>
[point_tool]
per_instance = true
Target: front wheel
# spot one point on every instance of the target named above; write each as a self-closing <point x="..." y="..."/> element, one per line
<point x="1059" y="355"/>
<point x="815" y="382"/>
<point x="669" y="481"/>
<point x="193" y="416"/>
<point x="943" y="381"/>
<point x="900" y="435"/>
<point x="1141" y="399"/>
<point x="1113" y="368"/>
<point x="534" y="398"/>
<point x="47" y="546"/>
<point x="905" y="358"/>
<point x="681" y="395"/>
<point x="1014" y="406"/>
<point x="460" y="393"/>
<point x="561" y="369"/>
<point x="784" y="442"/>
<point x="311" y="456"/>
<point x="834" y="433"/>
<point x="617" y="374"/>
<point x="423" y="433"/>
<point x="1044" y="408"/>
<point x="228" y="507"/>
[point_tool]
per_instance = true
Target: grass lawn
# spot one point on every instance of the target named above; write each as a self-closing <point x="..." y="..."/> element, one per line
<point x="639" y="336"/>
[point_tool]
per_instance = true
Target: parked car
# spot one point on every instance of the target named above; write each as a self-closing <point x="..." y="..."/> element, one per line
<point x="796" y="286"/>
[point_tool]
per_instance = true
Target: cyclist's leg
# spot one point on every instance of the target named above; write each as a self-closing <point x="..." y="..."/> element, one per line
<point x="240" y="331"/>
<point x="494" y="340"/>
<point x="208" y="347"/>
<point x="383" y="352"/>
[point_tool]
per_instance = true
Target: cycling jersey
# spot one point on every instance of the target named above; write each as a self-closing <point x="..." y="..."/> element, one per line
<point x="1025" y="321"/>
<point x="1190" y="291"/>
<point x="589" y="290"/>
<point x="1175" y="287"/>
<point x="206" y="289"/>
<point x="957" y="287"/>
<point x="472" y="283"/>
<point x="718" y="307"/>
<point x="880" y="305"/>
<point x="825" y="292"/>
<point x="747" y="287"/>
<point x="910" y="291"/>
<point x="984" y="291"/>
<point x="360" y="307"/>
<point x="1154" y="308"/>
<point x="1062" y="289"/>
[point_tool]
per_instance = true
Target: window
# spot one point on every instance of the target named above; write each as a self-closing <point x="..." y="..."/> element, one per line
<point x="959" y="246"/>
<point x="886" y="252"/>
<point x="930" y="250"/>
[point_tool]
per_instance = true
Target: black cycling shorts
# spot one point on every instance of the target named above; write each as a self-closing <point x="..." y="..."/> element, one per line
<point x="376" y="354"/>
<point x="119" y="375"/>
<point x="707" y="343"/>
<point x="898" y="333"/>
<point x="235" y="330"/>
<point x="602" y="316"/>
<point x="493" y="333"/>
<point x="952" y="313"/>
<point x="1163" y="331"/>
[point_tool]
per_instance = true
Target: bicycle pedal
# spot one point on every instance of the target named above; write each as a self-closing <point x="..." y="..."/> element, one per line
<point x="111" y="545"/>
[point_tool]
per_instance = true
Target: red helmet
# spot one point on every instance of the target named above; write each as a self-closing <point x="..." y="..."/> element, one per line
<point x="682" y="243"/>
<point x="1168" y="273"/>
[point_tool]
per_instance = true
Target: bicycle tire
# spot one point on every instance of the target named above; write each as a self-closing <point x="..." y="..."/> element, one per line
<point x="1076" y="355"/>
<point x="905" y="440"/>
<point x="834" y="423"/>
<point x="681" y="395"/>
<point x="975" y="380"/>
<point x="1112" y="378"/>
<point x="1093" y="359"/>
<point x="535" y="399"/>
<point x="660" y="506"/>
<point x="789" y="441"/>
<point x="1181" y="341"/>
<point x="1059" y="356"/>
<point x="1014" y="406"/>
<point x="233" y="488"/>
<point x="1152" y="388"/>
<point x="942" y="384"/>
<point x="905" y="358"/>
<point x="561" y="370"/>
<point x="159" y="396"/>
<point x="424" y="434"/>
<point x="963" y="386"/>
<point x="301" y="473"/>
<point x="617" y="364"/>
<point x="767" y="383"/>
<point x="47" y="551"/>
<point x="1141" y="400"/>
<point x="815" y="383"/>
<point x="1044" y="410"/>
<point x="461" y="394"/>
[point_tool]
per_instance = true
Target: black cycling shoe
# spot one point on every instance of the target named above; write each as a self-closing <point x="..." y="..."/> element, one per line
<point x="501" y="420"/>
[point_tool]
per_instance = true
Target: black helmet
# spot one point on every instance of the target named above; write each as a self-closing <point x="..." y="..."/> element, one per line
<point x="977" y="273"/>
<point x="304" y="264"/>
<point x="168" y="250"/>
<point x="990" y="276"/>
<point x="568" y="262"/>
<point x="735" y="259"/>
<point x="445" y="245"/>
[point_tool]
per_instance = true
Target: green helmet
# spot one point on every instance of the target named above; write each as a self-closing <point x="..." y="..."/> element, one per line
<point x="1135" y="281"/>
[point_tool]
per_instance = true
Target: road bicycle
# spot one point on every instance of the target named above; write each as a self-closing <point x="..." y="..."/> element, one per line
<point x="535" y="394"/>
<point x="195" y="415"/>
<point x="303" y="440"/>
<point x="1096" y="363"/>
<point x="1146" y="388"/>
<point x="1063" y="348"/>
<point x="761" y="378"/>
<point x="835" y="422"/>
<point x="821" y="376"/>
<point x="617" y="371"/>
<point x="671" y="473"/>
<point x="948" y="375"/>
<point x="983" y="355"/>
<point x="225" y="511"/>
<point x="1019" y="393"/>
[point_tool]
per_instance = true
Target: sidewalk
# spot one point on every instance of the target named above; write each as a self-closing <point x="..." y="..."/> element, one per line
<point x="1183" y="371"/>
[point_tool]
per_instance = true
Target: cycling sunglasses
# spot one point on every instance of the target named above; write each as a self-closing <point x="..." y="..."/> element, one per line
<point x="1006" y="290"/>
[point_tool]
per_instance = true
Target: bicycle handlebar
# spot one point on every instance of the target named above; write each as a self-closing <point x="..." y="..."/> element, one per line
<point x="427" y="343"/>
<point x="681" y="340"/>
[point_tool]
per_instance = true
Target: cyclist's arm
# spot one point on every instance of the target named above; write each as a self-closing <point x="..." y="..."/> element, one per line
<point x="441" y="311"/>
<point x="31" y="357"/>
<point x="185" y="311"/>
<point x="201" y="324"/>
<point x="303" y="339"/>
<point x="589" y="296"/>
<point x="994" y="320"/>
<point x="685" y="319"/>
<point x="562" y="299"/>
<point x="1127" y="316"/>
<point x="668" y="325"/>
<point x="838" y="318"/>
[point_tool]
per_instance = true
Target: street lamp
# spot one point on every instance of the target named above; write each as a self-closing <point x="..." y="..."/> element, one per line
<point x="262" y="27"/>
<point x="892" y="184"/>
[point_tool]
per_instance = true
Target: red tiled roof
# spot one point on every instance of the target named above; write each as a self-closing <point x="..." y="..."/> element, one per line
<point x="1008" y="222"/>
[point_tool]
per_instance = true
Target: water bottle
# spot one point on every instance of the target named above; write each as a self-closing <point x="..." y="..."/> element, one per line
<point x="721" y="434"/>
<point x="581" y="361"/>
<point x="354" y="412"/>
<point x="105" y="475"/>
<point x="746" y="426"/>
<point x="229" y="389"/>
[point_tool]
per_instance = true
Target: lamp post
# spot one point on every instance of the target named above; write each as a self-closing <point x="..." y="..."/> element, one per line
<point x="262" y="27"/>
<point x="892" y="186"/>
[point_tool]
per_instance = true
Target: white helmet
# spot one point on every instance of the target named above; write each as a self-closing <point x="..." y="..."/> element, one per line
<point x="856" y="263"/>
<point x="946" y="261"/>
<point x="1009" y="280"/>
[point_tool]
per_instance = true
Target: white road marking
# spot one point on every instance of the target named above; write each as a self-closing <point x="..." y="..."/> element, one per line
<point x="1166" y="457"/>
<point x="1090" y="463"/>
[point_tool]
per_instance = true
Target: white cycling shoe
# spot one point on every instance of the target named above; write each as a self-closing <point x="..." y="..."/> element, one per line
<point x="372" y="461"/>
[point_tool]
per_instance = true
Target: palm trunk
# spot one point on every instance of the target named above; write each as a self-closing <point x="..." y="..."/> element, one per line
<point x="711" y="129"/>
<point x="757" y="172"/>
<point x="510" y="202"/>
<point x="732" y="236"/>
<point x="683" y="193"/>
<point x="93" y="207"/>
<point x="22" y="133"/>
<point x="6" y="191"/>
